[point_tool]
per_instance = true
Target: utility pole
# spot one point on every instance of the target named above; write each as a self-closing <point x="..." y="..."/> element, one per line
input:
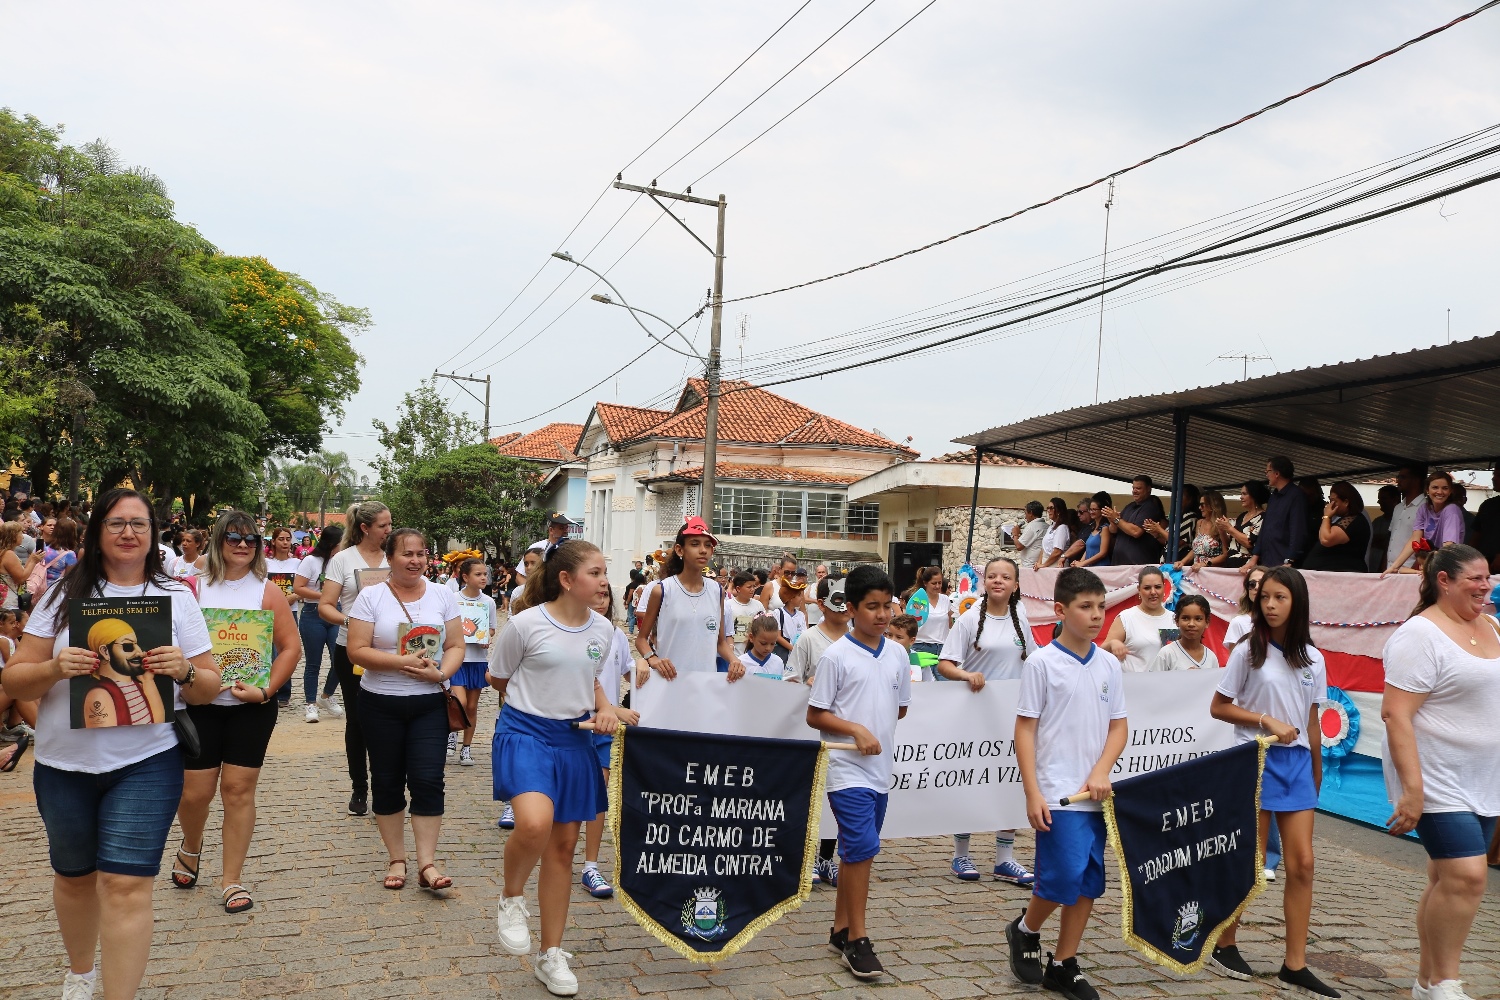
<point x="711" y="376"/>
<point x="458" y="380"/>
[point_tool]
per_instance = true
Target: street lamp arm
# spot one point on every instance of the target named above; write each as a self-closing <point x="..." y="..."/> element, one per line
<point x="565" y="256"/>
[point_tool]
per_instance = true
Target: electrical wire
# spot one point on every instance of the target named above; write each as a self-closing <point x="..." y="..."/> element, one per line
<point x="1135" y="166"/>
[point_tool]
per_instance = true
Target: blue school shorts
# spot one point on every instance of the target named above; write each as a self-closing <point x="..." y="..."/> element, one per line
<point x="1286" y="785"/>
<point x="1455" y="834"/>
<point x="860" y="813"/>
<point x="470" y="676"/>
<point x="603" y="747"/>
<point x="1070" y="857"/>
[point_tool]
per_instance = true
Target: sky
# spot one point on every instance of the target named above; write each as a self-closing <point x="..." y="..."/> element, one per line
<point x="423" y="160"/>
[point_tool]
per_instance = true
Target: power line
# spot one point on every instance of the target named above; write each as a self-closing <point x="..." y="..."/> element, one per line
<point x="1136" y="166"/>
<point x="815" y="93"/>
<point x="617" y="371"/>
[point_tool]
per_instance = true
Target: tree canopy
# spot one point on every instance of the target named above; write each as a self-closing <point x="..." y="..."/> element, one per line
<point x="190" y="368"/>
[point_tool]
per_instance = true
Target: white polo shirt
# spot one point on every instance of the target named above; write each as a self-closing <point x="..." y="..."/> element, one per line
<point x="870" y="687"/>
<point x="1276" y="688"/>
<point x="1073" y="700"/>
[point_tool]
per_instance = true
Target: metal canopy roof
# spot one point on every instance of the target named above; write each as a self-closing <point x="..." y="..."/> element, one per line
<point x="1439" y="405"/>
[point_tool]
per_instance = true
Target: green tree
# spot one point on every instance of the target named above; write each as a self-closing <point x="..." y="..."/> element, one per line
<point x="424" y="429"/>
<point x="471" y="494"/>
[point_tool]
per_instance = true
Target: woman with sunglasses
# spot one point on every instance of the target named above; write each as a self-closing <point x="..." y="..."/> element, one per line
<point x="106" y="796"/>
<point x="235" y="729"/>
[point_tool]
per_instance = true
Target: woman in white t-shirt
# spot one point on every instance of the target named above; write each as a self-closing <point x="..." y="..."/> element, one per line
<point x="1137" y="634"/>
<point x="1239" y="625"/>
<point x="360" y="562"/>
<point x="618" y="663"/>
<point x="318" y="636"/>
<point x="1272" y="686"/>
<point x="546" y="665"/>
<point x="1440" y="748"/>
<point x="281" y="569"/>
<point x="235" y="728"/>
<point x="480" y="620"/>
<point x="107" y="795"/>
<point x="990" y="642"/>
<point x="1058" y="537"/>
<point x="194" y="543"/>
<point x="934" y="627"/>
<point x="407" y="636"/>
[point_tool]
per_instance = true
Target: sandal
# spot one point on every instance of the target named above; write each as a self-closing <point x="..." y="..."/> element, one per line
<point x="234" y="895"/>
<point x="396" y="881"/>
<point x="182" y="876"/>
<point x="436" y="885"/>
<point x="15" y="757"/>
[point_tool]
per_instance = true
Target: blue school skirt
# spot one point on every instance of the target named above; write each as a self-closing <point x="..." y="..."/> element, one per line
<point x="532" y="754"/>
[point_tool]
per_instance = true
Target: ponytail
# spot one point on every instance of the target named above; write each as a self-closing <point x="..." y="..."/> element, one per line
<point x="1449" y="559"/>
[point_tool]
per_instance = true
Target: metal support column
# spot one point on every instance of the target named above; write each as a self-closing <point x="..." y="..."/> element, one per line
<point x="1179" y="473"/>
<point x="974" y="506"/>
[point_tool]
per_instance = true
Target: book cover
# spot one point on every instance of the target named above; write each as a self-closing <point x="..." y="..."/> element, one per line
<point x="475" y="616"/>
<point x="241" y="644"/>
<point x="420" y="639"/>
<point x="120" y="692"/>
<point x="369" y="577"/>
<point x="284" y="581"/>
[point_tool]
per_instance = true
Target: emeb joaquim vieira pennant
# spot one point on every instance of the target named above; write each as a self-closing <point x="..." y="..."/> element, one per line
<point x="1185" y="838"/>
<point x="715" y="834"/>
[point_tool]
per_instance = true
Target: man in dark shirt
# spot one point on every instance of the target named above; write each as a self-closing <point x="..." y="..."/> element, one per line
<point x="1132" y="544"/>
<point x="1283" y="531"/>
<point x="1487" y="524"/>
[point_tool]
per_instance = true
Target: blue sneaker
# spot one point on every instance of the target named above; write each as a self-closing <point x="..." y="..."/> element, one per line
<point x="1015" y="874"/>
<point x="595" y="884"/>
<point x="965" y="870"/>
<point x="828" y="871"/>
<point x="507" y="820"/>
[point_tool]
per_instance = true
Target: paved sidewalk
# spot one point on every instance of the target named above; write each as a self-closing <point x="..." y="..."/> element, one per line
<point x="323" y="926"/>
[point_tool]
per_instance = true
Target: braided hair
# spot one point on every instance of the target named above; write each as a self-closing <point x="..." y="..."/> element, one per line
<point x="1015" y="604"/>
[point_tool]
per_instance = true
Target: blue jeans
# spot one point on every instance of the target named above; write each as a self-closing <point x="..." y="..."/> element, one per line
<point x="116" y="822"/>
<point x="317" y="636"/>
<point x="407" y="737"/>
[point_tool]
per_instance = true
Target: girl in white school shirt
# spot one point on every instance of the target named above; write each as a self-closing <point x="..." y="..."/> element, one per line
<point x="546" y="666"/>
<point x="989" y="642"/>
<point x="618" y="663"/>
<point x="685" y="612"/>
<point x="1272" y="686"/>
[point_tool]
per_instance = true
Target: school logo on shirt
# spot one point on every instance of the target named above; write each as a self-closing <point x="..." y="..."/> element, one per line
<point x="1185" y="931"/>
<point x="1307" y="677"/>
<point x="711" y="623"/>
<point x="1104" y="692"/>
<point x="703" y="914"/>
<point x="595" y="649"/>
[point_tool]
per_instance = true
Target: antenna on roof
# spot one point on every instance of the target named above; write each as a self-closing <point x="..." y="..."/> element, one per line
<point x="743" y="334"/>
<point x="1245" y="359"/>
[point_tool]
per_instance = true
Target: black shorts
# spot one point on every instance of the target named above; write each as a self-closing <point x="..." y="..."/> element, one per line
<point x="231" y="734"/>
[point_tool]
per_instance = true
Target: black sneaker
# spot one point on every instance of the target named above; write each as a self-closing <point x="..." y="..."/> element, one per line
<point x="1063" y="977"/>
<point x="1227" y="962"/>
<point x="358" y="804"/>
<point x="1025" y="953"/>
<point x="838" y="940"/>
<point x="859" y="956"/>
<point x="1303" y="981"/>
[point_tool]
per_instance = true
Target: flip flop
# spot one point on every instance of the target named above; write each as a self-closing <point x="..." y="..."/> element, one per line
<point x="15" y="758"/>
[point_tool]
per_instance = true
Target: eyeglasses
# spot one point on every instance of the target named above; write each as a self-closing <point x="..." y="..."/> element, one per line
<point x="235" y="538"/>
<point x="117" y="525"/>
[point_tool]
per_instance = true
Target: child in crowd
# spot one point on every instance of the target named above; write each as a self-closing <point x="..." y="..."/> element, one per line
<point x="476" y="608"/>
<point x="1272" y="685"/>
<point x="546" y="668"/>
<point x="990" y="642"/>
<point x="741" y="607"/>
<point x="683" y="626"/>
<point x="1070" y="730"/>
<point x="791" y="617"/>
<point x="1239" y="625"/>
<point x="760" y="659"/>
<point x="902" y="630"/>
<point x="802" y="668"/>
<point x="862" y="687"/>
<point x="618" y="663"/>
<point x="1188" y="652"/>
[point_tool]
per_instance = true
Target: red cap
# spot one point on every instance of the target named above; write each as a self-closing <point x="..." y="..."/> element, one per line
<point x="697" y="526"/>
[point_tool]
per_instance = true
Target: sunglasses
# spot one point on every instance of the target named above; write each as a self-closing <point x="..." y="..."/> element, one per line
<point x="235" y="538"/>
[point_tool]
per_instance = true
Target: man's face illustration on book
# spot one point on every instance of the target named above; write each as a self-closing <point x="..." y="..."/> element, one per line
<point x="126" y="657"/>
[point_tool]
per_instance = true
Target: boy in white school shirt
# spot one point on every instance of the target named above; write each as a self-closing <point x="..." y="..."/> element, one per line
<point x="802" y="664"/>
<point x="1070" y="730"/>
<point x="862" y="687"/>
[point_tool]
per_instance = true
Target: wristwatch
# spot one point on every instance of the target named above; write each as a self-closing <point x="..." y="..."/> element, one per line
<point x="192" y="675"/>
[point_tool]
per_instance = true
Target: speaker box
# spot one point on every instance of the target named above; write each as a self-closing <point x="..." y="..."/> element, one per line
<point x="908" y="557"/>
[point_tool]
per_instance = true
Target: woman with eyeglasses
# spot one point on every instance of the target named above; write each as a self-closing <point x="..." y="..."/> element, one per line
<point x="107" y="796"/>
<point x="407" y="635"/>
<point x="235" y="729"/>
<point x="360" y="563"/>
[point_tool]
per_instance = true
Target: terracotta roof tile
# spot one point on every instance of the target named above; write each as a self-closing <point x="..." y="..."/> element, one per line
<point x="555" y="442"/>
<point x="505" y="439"/>
<point x="733" y="471"/>
<point x="967" y="458"/>
<point x="626" y="423"/>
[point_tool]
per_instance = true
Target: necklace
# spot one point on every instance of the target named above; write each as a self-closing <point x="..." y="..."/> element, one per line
<point x="1472" y="641"/>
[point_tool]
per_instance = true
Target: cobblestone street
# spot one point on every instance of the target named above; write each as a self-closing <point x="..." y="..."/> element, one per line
<point x="323" y="926"/>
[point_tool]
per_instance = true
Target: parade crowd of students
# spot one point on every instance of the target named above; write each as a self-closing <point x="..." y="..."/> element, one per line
<point x="410" y="647"/>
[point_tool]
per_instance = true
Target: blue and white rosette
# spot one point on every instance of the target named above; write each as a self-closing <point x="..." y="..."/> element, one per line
<point x="1338" y="720"/>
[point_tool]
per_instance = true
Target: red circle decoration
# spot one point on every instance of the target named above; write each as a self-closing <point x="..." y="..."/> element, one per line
<point x="1335" y="723"/>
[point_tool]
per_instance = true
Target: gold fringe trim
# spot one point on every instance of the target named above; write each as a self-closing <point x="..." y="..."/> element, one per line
<point x="1127" y="911"/>
<point x="760" y="923"/>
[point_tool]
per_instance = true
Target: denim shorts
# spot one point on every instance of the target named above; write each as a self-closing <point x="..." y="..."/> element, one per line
<point x="1455" y="834"/>
<point x="116" y="822"/>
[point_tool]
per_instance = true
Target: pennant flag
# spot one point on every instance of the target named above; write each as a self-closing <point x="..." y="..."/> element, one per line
<point x="715" y="835"/>
<point x="1186" y="840"/>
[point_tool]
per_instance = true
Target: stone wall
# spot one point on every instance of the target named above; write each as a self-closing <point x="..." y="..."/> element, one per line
<point x="988" y="542"/>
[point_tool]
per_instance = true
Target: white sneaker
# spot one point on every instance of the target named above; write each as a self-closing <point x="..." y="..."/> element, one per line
<point x="1448" y="989"/>
<point x="515" y="935"/>
<point x="452" y="744"/>
<point x="551" y="968"/>
<point x="330" y="704"/>
<point x="1270" y="874"/>
<point x="466" y="757"/>
<point x="311" y="715"/>
<point x="76" y="987"/>
<point x="1418" y="991"/>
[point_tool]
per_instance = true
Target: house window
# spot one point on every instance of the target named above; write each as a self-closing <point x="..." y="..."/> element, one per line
<point x="944" y="535"/>
<point x="788" y="514"/>
<point x="793" y="514"/>
<point x="864" y="521"/>
<point x="741" y="511"/>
